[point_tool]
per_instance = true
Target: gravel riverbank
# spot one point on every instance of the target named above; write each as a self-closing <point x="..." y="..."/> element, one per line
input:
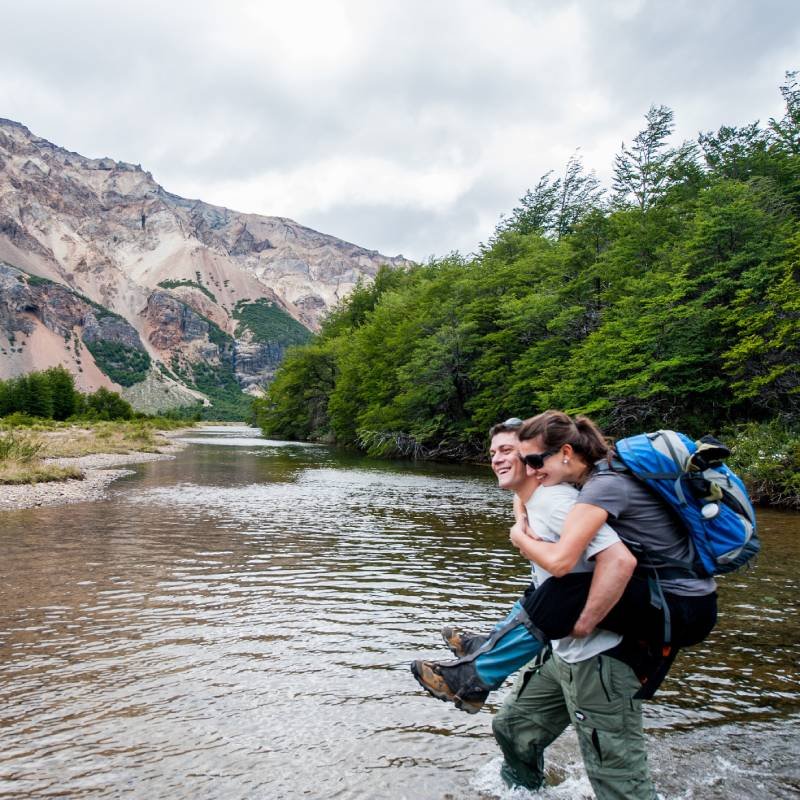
<point x="99" y="470"/>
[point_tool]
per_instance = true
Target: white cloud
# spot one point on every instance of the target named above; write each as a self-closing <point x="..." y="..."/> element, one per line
<point x="406" y="127"/>
<point x="321" y="185"/>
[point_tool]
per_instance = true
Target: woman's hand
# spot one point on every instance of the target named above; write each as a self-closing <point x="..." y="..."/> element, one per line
<point x="582" y="629"/>
<point x="521" y="533"/>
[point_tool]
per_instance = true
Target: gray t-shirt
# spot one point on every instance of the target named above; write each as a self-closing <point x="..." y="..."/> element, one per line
<point x="639" y="516"/>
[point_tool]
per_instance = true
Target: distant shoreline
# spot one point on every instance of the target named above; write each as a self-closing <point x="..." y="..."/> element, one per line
<point x="100" y="470"/>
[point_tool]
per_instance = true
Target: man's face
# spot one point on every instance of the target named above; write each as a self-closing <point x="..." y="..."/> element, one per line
<point x="506" y="465"/>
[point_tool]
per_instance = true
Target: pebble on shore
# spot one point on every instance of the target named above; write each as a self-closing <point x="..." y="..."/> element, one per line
<point x="98" y="474"/>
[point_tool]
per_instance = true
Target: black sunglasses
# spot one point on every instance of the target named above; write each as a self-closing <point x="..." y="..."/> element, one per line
<point x="536" y="460"/>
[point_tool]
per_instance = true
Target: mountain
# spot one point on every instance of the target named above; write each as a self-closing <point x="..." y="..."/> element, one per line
<point x="167" y="300"/>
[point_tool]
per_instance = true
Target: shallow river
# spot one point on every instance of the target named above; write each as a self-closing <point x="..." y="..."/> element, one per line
<point x="238" y="622"/>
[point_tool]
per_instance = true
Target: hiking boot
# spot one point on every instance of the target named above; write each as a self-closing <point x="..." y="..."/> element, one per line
<point x="430" y="676"/>
<point x="461" y="642"/>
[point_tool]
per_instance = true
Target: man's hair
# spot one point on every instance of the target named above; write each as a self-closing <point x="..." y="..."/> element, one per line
<point x="511" y="425"/>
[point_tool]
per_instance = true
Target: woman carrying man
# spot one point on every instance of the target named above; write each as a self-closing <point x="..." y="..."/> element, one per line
<point x="591" y="681"/>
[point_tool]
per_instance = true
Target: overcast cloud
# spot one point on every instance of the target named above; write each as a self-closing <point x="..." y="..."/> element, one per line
<point x="404" y="127"/>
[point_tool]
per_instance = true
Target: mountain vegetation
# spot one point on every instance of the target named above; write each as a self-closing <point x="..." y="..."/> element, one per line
<point x="671" y="300"/>
<point x="125" y="365"/>
<point x="267" y="322"/>
<point x="174" y="284"/>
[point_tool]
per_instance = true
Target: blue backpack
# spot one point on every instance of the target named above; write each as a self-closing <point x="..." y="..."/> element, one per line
<point x="709" y="498"/>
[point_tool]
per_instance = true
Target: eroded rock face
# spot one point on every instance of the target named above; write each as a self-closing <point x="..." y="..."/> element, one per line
<point x="31" y="306"/>
<point x="111" y="329"/>
<point x="255" y="363"/>
<point x="59" y="309"/>
<point x="173" y="322"/>
<point x="164" y="264"/>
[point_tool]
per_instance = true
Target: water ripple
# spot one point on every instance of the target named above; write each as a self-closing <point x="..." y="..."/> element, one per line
<point x="238" y="623"/>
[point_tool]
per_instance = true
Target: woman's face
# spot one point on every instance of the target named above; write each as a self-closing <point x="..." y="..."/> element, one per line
<point x="559" y="466"/>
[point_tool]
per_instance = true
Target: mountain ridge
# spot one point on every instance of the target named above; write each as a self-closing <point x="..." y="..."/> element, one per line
<point x="107" y="230"/>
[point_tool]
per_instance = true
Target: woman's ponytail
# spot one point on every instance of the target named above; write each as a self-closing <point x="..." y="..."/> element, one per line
<point x="595" y="445"/>
<point x="555" y="429"/>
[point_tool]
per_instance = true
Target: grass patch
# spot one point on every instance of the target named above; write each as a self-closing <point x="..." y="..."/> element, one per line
<point x="104" y="437"/>
<point x="19" y="448"/>
<point x="15" y="474"/>
<point x="170" y="284"/>
<point x="21" y="462"/>
<point x="21" y="420"/>
<point x="23" y="450"/>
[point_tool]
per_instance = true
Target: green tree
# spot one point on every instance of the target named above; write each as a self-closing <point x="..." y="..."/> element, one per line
<point x="677" y="306"/>
<point x="787" y="130"/>
<point x="62" y="389"/>
<point x="645" y="171"/>
<point x="555" y="205"/>
<point x="106" y="405"/>
<point x="735" y="153"/>
<point x="38" y="395"/>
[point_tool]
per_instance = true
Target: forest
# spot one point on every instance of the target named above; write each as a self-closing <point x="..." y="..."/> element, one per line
<point x="669" y="299"/>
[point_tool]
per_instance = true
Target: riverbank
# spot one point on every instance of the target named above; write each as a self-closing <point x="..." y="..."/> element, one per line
<point x="79" y="452"/>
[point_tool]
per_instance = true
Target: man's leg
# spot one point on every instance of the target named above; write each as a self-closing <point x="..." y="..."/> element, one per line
<point x="468" y="680"/>
<point x="533" y="716"/>
<point x="599" y="694"/>
<point x="512" y="650"/>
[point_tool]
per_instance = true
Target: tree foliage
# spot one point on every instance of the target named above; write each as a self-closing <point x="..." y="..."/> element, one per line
<point x="51" y="394"/>
<point x="677" y="305"/>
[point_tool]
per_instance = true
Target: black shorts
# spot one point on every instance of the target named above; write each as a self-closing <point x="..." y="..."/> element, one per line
<point x="555" y="606"/>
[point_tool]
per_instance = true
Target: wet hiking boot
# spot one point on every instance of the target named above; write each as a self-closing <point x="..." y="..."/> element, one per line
<point x="456" y="684"/>
<point x="461" y="642"/>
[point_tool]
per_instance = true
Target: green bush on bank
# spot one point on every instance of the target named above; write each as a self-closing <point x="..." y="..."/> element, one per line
<point x="766" y="455"/>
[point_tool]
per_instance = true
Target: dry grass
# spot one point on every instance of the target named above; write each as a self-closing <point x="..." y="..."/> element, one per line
<point x="22" y="451"/>
<point x="13" y="472"/>
<point x="102" y="437"/>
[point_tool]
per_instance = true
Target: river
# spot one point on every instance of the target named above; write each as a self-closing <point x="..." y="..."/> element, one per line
<point x="238" y="623"/>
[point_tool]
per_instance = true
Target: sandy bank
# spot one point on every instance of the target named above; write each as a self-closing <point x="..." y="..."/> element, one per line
<point x="98" y="469"/>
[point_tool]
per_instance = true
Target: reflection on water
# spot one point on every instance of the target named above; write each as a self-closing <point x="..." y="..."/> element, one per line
<point x="237" y="623"/>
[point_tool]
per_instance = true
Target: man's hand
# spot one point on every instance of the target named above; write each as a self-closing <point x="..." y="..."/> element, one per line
<point x="517" y="534"/>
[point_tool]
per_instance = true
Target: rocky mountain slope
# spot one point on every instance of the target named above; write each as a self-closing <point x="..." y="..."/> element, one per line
<point x="165" y="299"/>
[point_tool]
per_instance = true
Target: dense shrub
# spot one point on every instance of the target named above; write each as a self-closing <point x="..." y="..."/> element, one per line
<point x="268" y="322"/>
<point x="767" y="458"/>
<point x="123" y="364"/>
<point x="106" y="405"/>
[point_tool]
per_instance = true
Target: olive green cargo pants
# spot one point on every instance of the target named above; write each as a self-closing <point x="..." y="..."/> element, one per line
<point x="597" y="697"/>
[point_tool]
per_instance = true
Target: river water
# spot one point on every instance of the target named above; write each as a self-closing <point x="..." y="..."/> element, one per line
<point x="238" y="622"/>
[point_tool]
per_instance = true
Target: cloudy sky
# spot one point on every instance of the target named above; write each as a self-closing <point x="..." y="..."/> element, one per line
<point x="407" y="127"/>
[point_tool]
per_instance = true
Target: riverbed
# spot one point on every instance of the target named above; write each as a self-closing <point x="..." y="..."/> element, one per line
<point x="238" y="623"/>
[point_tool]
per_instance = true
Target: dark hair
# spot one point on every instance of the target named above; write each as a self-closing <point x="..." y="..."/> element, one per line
<point x="511" y="425"/>
<point x="555" y="429"/>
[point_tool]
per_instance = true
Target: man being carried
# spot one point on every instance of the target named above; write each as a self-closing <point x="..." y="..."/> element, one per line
<point x="486" y="660"/>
